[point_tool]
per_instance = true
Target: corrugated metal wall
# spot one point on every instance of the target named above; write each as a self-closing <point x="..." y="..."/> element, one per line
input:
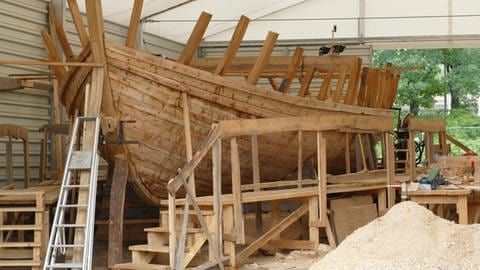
<point x="216" y="49"/>
<point x="20" y="25"/>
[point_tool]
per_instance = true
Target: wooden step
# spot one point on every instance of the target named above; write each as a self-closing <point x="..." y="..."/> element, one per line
<point x="18" y="244"/>
<point x="191" y="212"/>
<point x="20" y="209"/>
<point x="153" y="249"/>
<point x="140" y="266"/>
<point x="20" y="228"/>
<point x="166" y="230"/>
<point x="19" y="263"/>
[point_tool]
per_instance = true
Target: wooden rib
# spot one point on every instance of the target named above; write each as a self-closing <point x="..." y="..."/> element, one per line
<point x="78" y="22"/>
<point x="195" y="38"/>
<point x="273" y="84"/>
<point x="387" y="80"/>
<point x="340" y="83"/>
<point x="62" y="37"/>
<point x="327" y="80"/>
<point x="234" y="45"/>
<point x="362" y="89"/>
<point x="134" y="22"/>
<point x="53" y="55"/>
<point x="262" y="59"/>
<point x="371" y="87"/>
<point x="292" y="70"/>
<point x="393" y="92"/>
<point x="353" y="82"/>
<point x="307" y="80"/>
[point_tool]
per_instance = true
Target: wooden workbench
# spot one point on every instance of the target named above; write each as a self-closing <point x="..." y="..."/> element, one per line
<point x="459" y="197"/>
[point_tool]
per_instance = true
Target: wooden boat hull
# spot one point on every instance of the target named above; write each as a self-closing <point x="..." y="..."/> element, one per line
<point x="148" y="89"/>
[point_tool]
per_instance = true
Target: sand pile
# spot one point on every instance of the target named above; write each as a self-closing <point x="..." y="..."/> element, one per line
<point x="408" y="237"/>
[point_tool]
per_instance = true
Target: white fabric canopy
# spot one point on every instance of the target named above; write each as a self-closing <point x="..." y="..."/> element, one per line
<point x="367" y="21"/>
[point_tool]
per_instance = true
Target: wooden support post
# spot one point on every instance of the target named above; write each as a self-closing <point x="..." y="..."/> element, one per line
<point x="256" y="180"/>
<point x="134" y="22"/>
<point x="347" y="153"/>
<point x="53" y="55"/>
<point x="314" y="231"/>
<point x="172" y="229"/>
<point x="62" y="37"/>
<point x="195" y="39"/>
<point x="429" y="151"/>
<point x="262" y="59"/>
<point x="217" y="194"/>
<point x="229" y="228"/>
<point x="300" y="158"/>
<point x="237" y="192"/>
<point x="322" y="178"/>
<point x="411" y="155"/>
<point x="235" y="42"/>
<point x="57" y="119"/>
<point x="188" y="139"/>
<point x="9" y="161"/>
<point x="78" y="22"/>
<point x="361" y="149"/>
<point x="275" y="217"/>
<point x="443" y="142"/>
<point x="390" y="166"/>
<point x="370" y="151"/>
<point x="117" y="203"/>
<point x="292" y="70"/>
<point x="26" y="163"/>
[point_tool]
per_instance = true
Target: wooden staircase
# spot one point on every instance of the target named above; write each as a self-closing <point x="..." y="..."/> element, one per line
<point x="155" y="254"/>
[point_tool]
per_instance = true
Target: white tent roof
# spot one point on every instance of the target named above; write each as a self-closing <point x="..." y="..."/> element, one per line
<point x="375" y="21"/>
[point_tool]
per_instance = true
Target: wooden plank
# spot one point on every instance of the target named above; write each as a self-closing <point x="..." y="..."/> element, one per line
<point x="390" y="166"/>
<point x="300" y="157"/>
<point x="294" y="244"/>
<point x="237" y="192"/>
<point x="327" y="80"/>
<point x="274" y="231"/>
<point x="53" y="55"/>
<point x="363" y="87"/>
<point x="54" y="63"/>
<point x="78" y="22"/>
<point x="235" y="42"/>
<point x="427" y="125"/>
<point x="340" y="83"/>
<point x="229" y="228"/>
<point x="322" y="178"/>
<point x="263" y="58"/>
<point x="348" y="219"/>
<point x="172" y="243"/>
<point x="188" y="139"/>
<point x="117" y="203"/>
<point x="134" y="23"/>
<point x="244" y="127"/>
<point x="195" y="38"/>
<point x="353" y="82"/>
<point x="347" y="153"/>
<point x="292" y="70"/>
<point x="62" y="37"/>
<point x="314" y="232"/>
<point x="57" y="112"/>
<point x="361" y="149"/>
<point x="306" y="81"/>
<point x="256" y="180"/>
<point x="217" y="204"/>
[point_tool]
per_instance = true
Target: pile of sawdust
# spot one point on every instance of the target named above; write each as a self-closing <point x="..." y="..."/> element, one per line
<point x="409" y="237"/>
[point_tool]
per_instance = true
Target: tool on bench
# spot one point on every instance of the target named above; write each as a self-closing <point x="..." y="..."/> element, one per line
<point x="433" y="179"/>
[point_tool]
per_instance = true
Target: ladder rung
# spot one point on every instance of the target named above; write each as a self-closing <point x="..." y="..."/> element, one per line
<point x="72" y="205"/>
<point x="70" y="225"/>
<point x="64" y="265"/>
<point x="76" y="186"/>
<point x="68" y="246"/>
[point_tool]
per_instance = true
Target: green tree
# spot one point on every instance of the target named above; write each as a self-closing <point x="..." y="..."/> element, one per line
<point x="453" y="71"/>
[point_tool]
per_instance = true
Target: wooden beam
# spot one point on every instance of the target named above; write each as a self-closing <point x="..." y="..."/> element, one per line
<point x="390" y="166"/>
<point x="306" y="81"/>
<point x="239" y="227"/>
<point x="295" y="63"/>
<point x="427" y="125"/>
<point x="322" y="179"/>
<point x="53" y="55"/>
<point x="217" y="203"/>
<point x="55" y="63"/>
<point x="274" y="231"/>
<point x="347" y="153"/>
<point x="195" y="38"/>
<point x="188" y="139"/>
<point x="117" y="206"/>
<point x="300" y="157"/>
<point x="340" y="83"/>
<point x="458" y="144"/>
<point x="256" y="180"/>
<point x="235" y="42"/>
<point x="323" y="93"/>
<point x="353" y="82"/>
<point x="78" y="22"/>
<point x="360" y="101"/>
<point x="360" y="123"/>
<point x="134" y="22"/>
<point x="62" y="37"/>
<point x="262" y="60"/>
<point x="273" y="84"/>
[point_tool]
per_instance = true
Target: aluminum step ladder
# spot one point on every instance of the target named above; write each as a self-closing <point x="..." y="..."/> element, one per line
<point x="82" y="161"/>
